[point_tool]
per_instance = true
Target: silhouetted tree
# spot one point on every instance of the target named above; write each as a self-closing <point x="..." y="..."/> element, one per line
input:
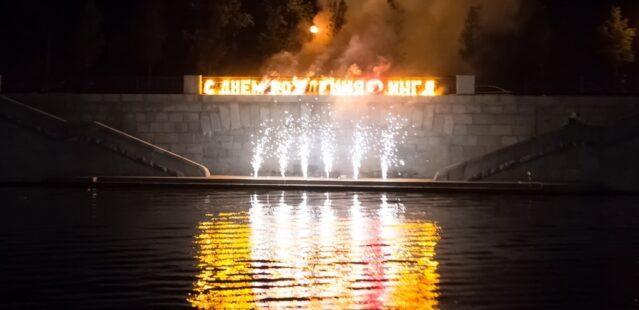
<point x="88" y="38"/>
<point x="286" y="25"/>
<point x="470" y="38"/>
<point x="338" y="9"/>
<point x="534" y="43"/>
<point x="151" y="34"/>
<point x="299" y="10"/>
<point x="618" y="40"/>
<point x="396" y="21"/>
<point x="214" y="37"/>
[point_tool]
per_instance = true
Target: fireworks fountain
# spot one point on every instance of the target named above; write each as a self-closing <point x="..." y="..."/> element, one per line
<point x="360" y="147"/>
<point x="304" y="152"/>
<point x="304" y="143"/>
<point x="387" y="153"/>
<point x="390" y="136"/>
<point x="259" y="148"/>
<point x="284" y="141"/>
<point x="327" y="148"/>
<point x="276" y="141"/>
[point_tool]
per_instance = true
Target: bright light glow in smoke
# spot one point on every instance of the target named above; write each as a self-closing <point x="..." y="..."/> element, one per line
<point x="314" y="29"/>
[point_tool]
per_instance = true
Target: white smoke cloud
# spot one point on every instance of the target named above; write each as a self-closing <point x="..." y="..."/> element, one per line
<point x="419" y="37"/>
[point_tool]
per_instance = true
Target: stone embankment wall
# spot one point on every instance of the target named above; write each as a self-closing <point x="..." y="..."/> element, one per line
<point x="217" y="130"/>
<point x="40" y="146"/>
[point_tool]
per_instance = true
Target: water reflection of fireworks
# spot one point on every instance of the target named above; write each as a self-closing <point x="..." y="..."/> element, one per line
<point x="316" y="251"/>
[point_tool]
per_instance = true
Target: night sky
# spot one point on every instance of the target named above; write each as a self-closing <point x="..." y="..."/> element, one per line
<point x="557" y="49"/>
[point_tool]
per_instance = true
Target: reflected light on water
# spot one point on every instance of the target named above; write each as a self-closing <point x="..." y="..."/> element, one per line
<point x="311" y="251"/>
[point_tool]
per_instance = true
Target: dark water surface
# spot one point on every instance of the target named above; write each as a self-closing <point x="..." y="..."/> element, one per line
<point x="105" y="248"/>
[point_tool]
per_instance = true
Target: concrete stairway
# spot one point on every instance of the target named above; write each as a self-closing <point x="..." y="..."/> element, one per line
<point x="575" y="153"/>
<point x="58" y="148"/>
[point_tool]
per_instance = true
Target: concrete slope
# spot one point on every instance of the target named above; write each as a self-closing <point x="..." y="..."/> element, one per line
<point x="38" y="145"/>
<point x="574" y="153"/>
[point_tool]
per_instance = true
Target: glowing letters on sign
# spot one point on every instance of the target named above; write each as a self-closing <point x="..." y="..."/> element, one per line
<point x="319" y="86"/>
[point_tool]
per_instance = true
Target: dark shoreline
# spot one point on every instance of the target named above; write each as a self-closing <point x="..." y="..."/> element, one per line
<point x="364" y="185"/>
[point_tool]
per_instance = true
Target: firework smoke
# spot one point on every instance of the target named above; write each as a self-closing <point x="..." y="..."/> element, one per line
<point x="391" y="37"/>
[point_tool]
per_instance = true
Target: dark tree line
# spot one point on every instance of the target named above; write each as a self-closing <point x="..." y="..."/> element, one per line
<point x="567" y="46"/>
<point x="559" y="47"/>
<point x="50" y="45"/>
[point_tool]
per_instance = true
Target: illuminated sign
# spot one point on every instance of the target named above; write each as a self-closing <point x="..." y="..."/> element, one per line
<point x="246" y="86"/>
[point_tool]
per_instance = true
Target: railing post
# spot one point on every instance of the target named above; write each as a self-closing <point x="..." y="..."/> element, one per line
<point x="192" y="84"/>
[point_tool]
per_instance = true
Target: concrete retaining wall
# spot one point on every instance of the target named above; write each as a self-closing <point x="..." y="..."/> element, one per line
<point x="216" y="130"/>
<point x="31" y="156"/>
<point x="39" y="146"/>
